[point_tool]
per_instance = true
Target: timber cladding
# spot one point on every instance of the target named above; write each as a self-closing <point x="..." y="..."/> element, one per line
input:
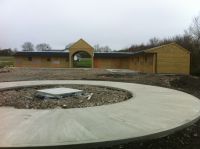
<point x="170" y="58"/>
<point x="143" y="63"/>
<point x="43" y="62"/>
<point x="111" y="63"/>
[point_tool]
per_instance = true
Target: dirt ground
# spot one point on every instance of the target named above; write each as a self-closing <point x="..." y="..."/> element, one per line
<point x="28" y="98"/>
<point x="189" y="138"/>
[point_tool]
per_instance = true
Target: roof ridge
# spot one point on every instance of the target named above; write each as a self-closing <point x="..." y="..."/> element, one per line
<point x="164" y="45"/>
<point x="81" y="39"/>
<point x="161" y="46"/>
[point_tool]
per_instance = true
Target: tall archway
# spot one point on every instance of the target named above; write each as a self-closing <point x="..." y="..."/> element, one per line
<point x="81" y="59"/>
<point x="82" y="48"/>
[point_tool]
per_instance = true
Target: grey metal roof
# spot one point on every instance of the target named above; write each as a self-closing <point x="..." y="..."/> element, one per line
<point x="66" y="53"/>
<point x="44" y="53"/>
<point x="116" y="54"/>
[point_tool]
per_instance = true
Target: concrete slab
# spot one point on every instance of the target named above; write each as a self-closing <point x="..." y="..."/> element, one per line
<point x="122" y="70"/>
<point x="61" y="91"/>
<point x="152" y="112"/>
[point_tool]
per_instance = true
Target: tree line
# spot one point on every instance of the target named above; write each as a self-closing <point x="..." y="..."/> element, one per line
<point x="28" y="46"/>
<point x="7" y="52"/>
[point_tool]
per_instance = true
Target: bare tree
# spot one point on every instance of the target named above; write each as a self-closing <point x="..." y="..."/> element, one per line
<point x="154" y="41"/>
<point x="98" y="48"/>
<point x="194" y="29"/>
<point x="15" y="50"/>
<point x="43" y="47"/>
<point x="27" y="46"/>
<point x="107" y="49"/>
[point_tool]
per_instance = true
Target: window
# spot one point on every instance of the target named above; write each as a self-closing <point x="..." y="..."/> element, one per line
<point x="146" y="58"/>
<point x="48" y="59"/>
<point x="29" y="58"/>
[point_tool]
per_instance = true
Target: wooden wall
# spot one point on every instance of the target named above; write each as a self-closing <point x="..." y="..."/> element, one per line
<point x="142" y="63"/>
<point x="43" y="62"/>
<point x="172" y="58"/>
<point x="111" y="63"/>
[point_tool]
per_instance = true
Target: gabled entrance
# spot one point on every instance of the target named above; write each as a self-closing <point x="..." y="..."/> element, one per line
<point x="81" y="54"/>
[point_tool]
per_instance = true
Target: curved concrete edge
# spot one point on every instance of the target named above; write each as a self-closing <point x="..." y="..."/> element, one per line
<point x="110" y="143"/>
<point x="100" y="142"/>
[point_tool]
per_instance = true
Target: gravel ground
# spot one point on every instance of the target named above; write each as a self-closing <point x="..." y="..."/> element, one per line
<point x="26" y="98"/>
<point x="188" y="138"/>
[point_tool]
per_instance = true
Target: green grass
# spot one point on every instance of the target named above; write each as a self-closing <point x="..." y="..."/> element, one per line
<point x="6" y="61"/>
<point x="84" y="63"/>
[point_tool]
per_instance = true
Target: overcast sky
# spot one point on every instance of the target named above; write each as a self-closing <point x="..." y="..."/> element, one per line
<point x="116" y="23"/>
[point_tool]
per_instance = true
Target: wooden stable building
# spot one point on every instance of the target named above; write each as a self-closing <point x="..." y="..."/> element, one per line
<point x="170" y="58"/>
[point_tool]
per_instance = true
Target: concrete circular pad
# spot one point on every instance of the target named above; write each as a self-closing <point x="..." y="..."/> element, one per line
<point x="152" y="112"/>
